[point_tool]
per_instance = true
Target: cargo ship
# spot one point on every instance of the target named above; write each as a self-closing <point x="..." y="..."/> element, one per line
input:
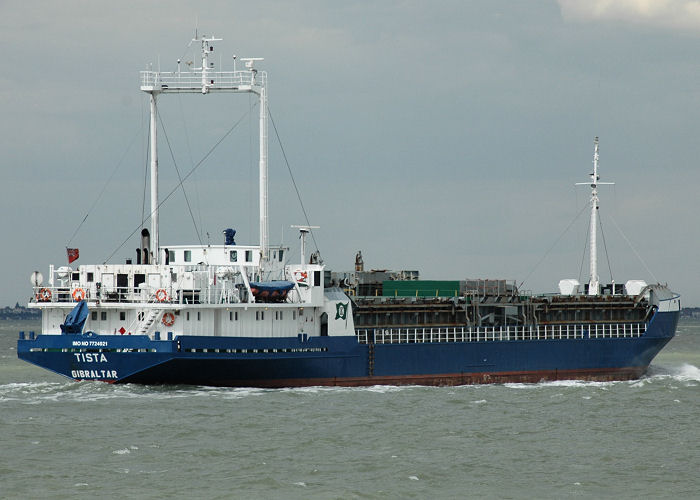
<point x="245" y="316"/>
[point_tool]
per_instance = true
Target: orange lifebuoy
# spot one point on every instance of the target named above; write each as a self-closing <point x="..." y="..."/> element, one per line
<point x="44" y="295"/>
<point x="161" y="295"/>
<point x="78" y="294"/>
<point x="168" y="319"/>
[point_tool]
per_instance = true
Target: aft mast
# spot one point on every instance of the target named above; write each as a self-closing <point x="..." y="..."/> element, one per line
<point x="204" y="80"/>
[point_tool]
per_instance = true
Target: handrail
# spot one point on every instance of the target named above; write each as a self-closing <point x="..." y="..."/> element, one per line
<point x="503" y="333"/>
<point x="166" y="295"/>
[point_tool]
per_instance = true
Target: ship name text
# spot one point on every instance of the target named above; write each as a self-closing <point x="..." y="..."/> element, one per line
<point x="90" y="357"/>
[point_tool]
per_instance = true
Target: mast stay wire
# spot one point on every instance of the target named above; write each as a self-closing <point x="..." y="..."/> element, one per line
<point x="289" y="168"/>
<point x="181" y="183"/>
<point x="634" y="250"/>
<point x="552" y="247"/>
<point x="605" y="246"/>
<point x="192" y="170"/>
<point x="99" y="196"/>
<point x="585" y="247"/>
<point x="145" y="171"/>
<point x="198" y="204"/>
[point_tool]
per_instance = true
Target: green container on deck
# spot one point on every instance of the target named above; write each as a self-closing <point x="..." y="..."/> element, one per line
<point x="422" y="288"/>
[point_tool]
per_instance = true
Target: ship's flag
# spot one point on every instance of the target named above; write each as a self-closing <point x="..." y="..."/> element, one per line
<point x="73" y="254"/>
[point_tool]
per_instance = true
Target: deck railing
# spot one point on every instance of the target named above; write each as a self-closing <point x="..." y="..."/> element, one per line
<point x="503" y="333"/>
<point x="129" y="295"/>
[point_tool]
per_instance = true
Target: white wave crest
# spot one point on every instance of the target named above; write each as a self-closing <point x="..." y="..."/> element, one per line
<point x="684" y="373"/>
<point x="560" y="383"/>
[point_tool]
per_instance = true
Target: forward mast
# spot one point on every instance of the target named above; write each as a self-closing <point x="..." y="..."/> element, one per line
<point x="594" y="280"/>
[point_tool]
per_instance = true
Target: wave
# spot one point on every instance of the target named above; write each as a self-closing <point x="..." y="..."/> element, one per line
<point x="37" y="392"/>
<point x="683" y="373"/>
<point x="561" y="383"/>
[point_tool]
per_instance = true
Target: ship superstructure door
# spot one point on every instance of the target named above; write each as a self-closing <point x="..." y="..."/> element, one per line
<point x="153" y="281"/>
<point x="108" y="282"/>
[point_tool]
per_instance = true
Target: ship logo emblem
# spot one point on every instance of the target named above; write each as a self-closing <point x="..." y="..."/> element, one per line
<point x="301" y="277"/>
<point x="341" y="310"/>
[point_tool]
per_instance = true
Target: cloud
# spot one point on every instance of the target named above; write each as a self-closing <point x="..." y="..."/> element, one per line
<point x="678" y="15"/>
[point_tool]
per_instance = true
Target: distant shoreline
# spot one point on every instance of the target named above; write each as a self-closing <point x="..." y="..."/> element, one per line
<point x="19" y="312"/>
<point x="690" y="312"/>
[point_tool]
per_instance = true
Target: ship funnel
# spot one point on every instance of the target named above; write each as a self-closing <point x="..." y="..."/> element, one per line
<point x="145" y="246"/>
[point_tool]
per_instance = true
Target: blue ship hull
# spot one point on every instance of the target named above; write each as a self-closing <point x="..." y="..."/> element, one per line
<point x="304" y="361"/>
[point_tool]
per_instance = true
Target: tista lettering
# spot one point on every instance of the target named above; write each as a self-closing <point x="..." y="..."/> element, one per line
<point x="90" y="357"/>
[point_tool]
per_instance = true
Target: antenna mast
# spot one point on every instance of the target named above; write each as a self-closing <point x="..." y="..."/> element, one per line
<point x="206" y="80"/>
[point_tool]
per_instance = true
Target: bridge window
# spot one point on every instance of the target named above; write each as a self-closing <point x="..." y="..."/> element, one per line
<point x="249" y="256"/>
<point x="233" y="256"/>
<point x="188" y="255"/>
<point x="138" y="279"/>
<point x="281" y="255"/>
<point x="171" y="256"/>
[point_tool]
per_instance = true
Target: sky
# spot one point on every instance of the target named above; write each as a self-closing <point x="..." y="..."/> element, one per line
<point x="444" y="137"/>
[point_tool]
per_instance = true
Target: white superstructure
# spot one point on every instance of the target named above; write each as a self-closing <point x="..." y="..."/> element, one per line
<point x="198" y="289"/>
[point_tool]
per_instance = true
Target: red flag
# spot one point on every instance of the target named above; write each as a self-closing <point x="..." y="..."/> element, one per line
<point x="73" y="254"/>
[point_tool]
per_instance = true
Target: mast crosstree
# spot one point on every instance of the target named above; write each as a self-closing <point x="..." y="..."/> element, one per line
<point x="205" y="80"/>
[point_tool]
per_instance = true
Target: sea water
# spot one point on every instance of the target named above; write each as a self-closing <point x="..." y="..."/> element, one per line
<point x="64" y="439"/>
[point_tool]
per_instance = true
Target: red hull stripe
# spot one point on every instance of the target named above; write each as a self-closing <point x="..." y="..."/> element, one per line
<point x="447" y="379"/>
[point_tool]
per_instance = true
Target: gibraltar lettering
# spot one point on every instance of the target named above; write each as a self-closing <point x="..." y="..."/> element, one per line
<point x="99" y="374"/>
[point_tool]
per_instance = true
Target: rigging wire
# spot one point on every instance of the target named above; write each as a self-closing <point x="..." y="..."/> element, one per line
<point x="181" y="184"/>
<point x="552" y="247"/>
<point x="145" y="170"/>
<point x="607" y="257"/>
<point x="192" y="170"/>
<point x="99" y="196"/>
<point x="634" y="250"/>
<point x="289" y="168"/>
<point x="198" y="204"/>
<point x="585" y="246"/>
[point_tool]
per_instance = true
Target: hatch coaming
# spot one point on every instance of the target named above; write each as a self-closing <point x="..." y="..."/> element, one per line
<point x="495" y="311"/>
